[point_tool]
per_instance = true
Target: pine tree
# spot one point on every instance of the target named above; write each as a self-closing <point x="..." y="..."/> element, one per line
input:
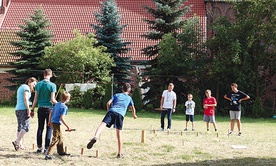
<point x="108" y="33"/>
<point x="168" y="18"/>
<point x="34" y="37"/>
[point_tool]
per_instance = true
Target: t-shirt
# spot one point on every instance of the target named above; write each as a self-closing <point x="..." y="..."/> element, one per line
<point x="168" y="99"/>
<point x="210" y="110"/>
<point x="20" y="105"/>
<point x="120" y="103"/>
<point x="190" y="107"/>
<point x="235" y="105"/>
<point x="58" y="110"/>
<point x="44" y="89"/>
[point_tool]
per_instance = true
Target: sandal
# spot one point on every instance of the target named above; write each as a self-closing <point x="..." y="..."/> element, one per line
<point x="16" y="146"/>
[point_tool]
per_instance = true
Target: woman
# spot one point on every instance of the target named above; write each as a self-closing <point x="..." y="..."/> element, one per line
<point x="23" y="111"/>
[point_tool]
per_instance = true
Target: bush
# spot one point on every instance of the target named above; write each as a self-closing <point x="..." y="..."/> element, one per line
<point x="76" y="97"/>
<point x="258" y="109"/>
<point x="87" y="99"/>
<point x="136" y="97"/>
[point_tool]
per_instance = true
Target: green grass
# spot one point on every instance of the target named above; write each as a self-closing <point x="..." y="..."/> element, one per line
<point x="160" y="148"/>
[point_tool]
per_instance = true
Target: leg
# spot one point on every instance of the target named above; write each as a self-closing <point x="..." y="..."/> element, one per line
<point x="96" y="136"/>
<point x="40" y="128"/>
<point x="207" y="126"/>
<point x="120" y="142"/>
<point x="48" y="129"/>
<point x="55" y="139"/>
<point x="163" y="114"/>
<point x="215" y="126"/>
<point x="169" y="116"/>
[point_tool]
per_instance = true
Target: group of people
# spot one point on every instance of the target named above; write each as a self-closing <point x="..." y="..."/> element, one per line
<point x="235" y="96"/>
<point x="52" y="112"/>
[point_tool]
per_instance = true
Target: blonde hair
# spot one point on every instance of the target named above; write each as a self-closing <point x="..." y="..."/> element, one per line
<point x="65" y="96"/>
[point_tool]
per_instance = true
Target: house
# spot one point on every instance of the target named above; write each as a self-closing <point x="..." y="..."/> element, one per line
<point x="67" y="15"/>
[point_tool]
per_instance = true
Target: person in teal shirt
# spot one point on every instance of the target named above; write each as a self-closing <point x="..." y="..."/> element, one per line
<point x="23" y="112"/>
<point x="45" y="98"/>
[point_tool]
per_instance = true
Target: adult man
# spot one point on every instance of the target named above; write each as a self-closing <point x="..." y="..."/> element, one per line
<point x="167" y="102"/>
<point x="45" y="98"/>
<point x="235" y="97"/>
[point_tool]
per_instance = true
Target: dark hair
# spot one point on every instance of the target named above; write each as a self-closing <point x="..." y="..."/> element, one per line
<point x="126" y="87"/>
<point x="31" y="79"/>
<point x="234" y="84"/>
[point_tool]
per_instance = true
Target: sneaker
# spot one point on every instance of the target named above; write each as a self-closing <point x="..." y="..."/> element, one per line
<point x="239" y="134"/>
<point x="168" y="129"/>
<point x="119" y="156"/>
<point x="64" y="154"/>
<point x="193" y="129"/>
<point x="161" y="129"/>
<point x="48" y="157"/>
<point x="45" y="150"/>
<point x="186" y="129"/>
<point x="39" y="150"/>
<point x="15" y="145"/>
<point x="91" y="143"/>
<point x="231" y="132"/>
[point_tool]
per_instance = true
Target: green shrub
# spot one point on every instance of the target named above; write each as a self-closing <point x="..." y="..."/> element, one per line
<point x="258" y="109"/>
<point x="76" y="97"/>
<point x="136" y="97"/>
<point x="87" y="99"/>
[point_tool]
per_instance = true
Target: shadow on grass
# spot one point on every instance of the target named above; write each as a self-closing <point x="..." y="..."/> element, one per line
<point x="248" y="161"/>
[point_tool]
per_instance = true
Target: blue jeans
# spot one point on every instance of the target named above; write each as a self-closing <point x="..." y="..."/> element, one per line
<point x="43" y="114"/>
<point x="169" y="116"/>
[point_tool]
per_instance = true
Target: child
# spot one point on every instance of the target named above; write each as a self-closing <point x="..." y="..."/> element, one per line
<point x="209" y="105"/>
<point x="115" y="116"/>
<point x="56" y="118"/>
<point x="190" y="109"/>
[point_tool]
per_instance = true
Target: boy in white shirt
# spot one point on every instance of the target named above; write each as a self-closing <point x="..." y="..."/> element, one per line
<point x="190" y="109"/>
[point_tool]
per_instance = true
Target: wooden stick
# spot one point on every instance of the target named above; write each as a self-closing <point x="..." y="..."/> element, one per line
<point x="65" y="149"/>
<point x="97" y="153"/>
<point x="82" y="151"/>
<point x="143" y="136"/>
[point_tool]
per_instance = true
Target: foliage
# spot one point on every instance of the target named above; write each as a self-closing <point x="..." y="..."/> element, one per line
<point x="258" y="109"/>
<point x="136" y="97"/>
<point x="243" y="49"/>
<point x="167" y="18"/>
<point x="76" y="97"/>
<point x="87" y="101"/>
<point x="78" y="60"/>
<point x="108" y="33"/>
<point x="34" y="37"/>
<point x="108" y="94"/>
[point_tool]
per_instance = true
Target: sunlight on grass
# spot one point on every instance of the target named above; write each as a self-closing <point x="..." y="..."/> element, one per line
<point x="168" y="148"/>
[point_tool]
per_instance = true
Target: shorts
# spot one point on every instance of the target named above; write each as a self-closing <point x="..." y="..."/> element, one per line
<point x="210" y="119"/>
<point x="235" y="114"/>
<point x="115" y="119"/>
<point x="190" y="117"/>
<point x="23" y="121"/>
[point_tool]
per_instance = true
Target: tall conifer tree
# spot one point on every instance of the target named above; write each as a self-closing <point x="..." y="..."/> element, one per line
<point x="108" y="33"/>
<point x="34" y="37"/>
<point x="167" y="18"/>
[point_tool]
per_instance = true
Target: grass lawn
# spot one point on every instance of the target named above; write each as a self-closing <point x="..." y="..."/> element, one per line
<point x="256" y="146"/>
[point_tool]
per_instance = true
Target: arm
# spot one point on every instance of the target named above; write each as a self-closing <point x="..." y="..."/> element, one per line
<point x="27" y="103"/>
<point x="50" y="118"/>
<point x="108" y="104"/>
<point x="161" y="102"/>
<point x="34" y="104"/>
<point x="133" y="112"/>
<point x="53" y="98"/>
<point x="245" y="98"/>
<point x="174" y="105"/>
<point x="63" y="121"/>
<point x="227" y="98"/>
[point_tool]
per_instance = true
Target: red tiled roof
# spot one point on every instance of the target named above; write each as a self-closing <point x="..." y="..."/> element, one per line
<point x="67" y="15"/>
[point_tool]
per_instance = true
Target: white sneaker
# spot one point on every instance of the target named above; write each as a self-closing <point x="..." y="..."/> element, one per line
<point x="161" y="129"/>
<point x="168" y="129"/>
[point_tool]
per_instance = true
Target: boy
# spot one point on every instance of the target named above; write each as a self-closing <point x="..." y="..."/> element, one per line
<point x="235" y="97"/>
<point x="56" y="118"/>
<point x="209" y="105"/>
<point x="190" y="109"/>
<point x="115" y="116"/>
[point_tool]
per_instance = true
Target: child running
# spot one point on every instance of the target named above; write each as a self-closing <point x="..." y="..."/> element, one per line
<point x="56" y="118"/>
<point x="115" y="116"/>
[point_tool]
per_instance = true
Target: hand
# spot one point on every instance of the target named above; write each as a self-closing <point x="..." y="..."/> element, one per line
<point x="32" y="113"/>
<point x="173" y="110"/>
<point x="134" y="116"/>
<point x="49" y="124"/>
<point x="68" y="129"/>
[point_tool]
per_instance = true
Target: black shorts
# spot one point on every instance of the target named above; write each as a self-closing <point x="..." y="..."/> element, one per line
<point x="115" y="119"/>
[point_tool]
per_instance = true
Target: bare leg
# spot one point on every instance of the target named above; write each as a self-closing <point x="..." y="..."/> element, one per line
<point x="232" y="124"/>
<point x="193" y="127"/>
<point x="215" y="125"/>
<point x="120" y="142"/>
<point x="239" y="124"/>
<point x="99" y="129"/>
<point x="207" y="125"/>
<point x="186" y="124"/>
